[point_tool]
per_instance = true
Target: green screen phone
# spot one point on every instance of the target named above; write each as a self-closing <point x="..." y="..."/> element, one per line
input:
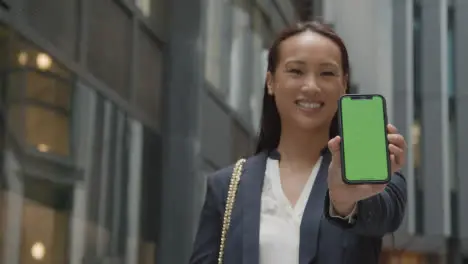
<point x="365" y="157"/>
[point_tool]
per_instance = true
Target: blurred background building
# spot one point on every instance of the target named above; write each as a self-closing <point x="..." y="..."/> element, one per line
<point x="113" y="112"/>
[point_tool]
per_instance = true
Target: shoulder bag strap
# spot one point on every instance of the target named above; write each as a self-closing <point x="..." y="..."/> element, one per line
<point x="230" y="200"/>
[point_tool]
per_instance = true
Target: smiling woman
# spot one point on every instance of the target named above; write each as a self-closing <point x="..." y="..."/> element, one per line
<point x="294" y="179"/>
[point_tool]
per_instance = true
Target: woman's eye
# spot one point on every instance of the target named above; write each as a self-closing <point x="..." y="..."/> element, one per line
<point x="295" y="71"/>
<point x="327" y="73"/>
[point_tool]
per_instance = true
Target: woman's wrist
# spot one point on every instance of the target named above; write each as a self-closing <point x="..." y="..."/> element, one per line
<point x="342" y="208"/>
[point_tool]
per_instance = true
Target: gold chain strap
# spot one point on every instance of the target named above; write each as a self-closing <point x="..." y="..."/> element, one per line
<point x="231" y="198"/>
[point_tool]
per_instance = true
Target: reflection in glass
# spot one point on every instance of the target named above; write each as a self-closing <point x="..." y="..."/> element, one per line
<point x="218" y="44"/>
<point x="46" y="130"/>
<point x="260" y="55"/>
<point x="148" y="88"/>
<point x="39" y="110"/>
<point x="144" y="6"/>
<point x="55" y="20"/>
<point x="38" y="95"/>
<point x="24" y="55"/>
<point x="154" y="12"/>
<point x="45" y="221"/>
<point x="111" y="213"/>
<point x="109" y="44"/>
<point x="122" y="184"/>
<point x="240" y="83"/>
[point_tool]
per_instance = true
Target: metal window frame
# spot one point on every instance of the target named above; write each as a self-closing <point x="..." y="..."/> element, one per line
<point x="15" y="20"/>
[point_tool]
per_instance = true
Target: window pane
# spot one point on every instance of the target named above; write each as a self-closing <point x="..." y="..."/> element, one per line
<point x="218" y="44"/>
<point x="4" y="46"/>
<point x="155" y="12"/>
<point x="259" y="60"/>
<point x="241" y="143"/>
<point x="149" y="86"/>
<point x="150" y="208"/>
<point x="39" y="109"/>
<point x="48" y="90"/>
<point x="34" y="92"/>
<point x="45" y="240"/>
<point x="26" y="55"/>
<point x="240" y="77"/>
<point x="124" y="177"/>
<point x="56" y="20"/>
<point x="47" y="130"/>
<point x="39" y="94"/>
<point x="110" y="38"/>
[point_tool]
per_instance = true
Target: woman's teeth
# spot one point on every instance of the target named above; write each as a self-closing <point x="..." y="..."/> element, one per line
<point x="309" y="105"/>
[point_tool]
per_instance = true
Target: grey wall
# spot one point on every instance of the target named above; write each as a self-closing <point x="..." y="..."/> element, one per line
<point x="461" y="104"/>
<point x="366" y="28"/>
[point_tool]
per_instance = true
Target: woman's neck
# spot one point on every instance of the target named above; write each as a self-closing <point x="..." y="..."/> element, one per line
<point x="302" y="148"/>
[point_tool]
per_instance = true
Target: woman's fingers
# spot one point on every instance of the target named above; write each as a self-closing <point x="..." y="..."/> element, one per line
<point x="392" y="129"/>
<point x="397" y="140"/>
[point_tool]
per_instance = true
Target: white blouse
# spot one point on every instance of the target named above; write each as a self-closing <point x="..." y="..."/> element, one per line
<point x="279" y="221"/>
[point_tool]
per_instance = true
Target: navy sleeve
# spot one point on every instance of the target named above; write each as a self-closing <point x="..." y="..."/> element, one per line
<point x="380" y="214"/>
<point x="206" y="245"/>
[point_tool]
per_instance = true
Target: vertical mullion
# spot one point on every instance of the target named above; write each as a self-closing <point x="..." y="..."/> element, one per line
<point x="104" y="173"/>
<point x="403" y="94"/>
<point x="134" y="59"/>
<point x="434" y="91"/>
<point x="116" y="201"/>
<point x="461" y="105"/>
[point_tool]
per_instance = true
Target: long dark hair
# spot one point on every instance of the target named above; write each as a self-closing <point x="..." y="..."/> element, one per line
<point x="270" y="130"/>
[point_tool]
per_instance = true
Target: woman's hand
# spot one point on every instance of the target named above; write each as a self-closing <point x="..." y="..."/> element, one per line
<point x="344" y="196"/>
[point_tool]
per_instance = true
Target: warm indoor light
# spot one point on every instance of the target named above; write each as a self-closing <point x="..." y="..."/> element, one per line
<point x="416" y="137"/>
<point x="43" y="148"/>
<point x="23" y="58"/>
<point x="416" y="133"/>
<point x="38" y="251"/>
<point x="43" y="61"/>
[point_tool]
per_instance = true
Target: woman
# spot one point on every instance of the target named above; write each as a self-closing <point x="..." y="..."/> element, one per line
<point x="292" y="205"/>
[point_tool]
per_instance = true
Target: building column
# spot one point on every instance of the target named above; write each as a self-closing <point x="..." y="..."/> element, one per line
<point x="84" y="120"/>
<point x="403" y="98"/>
<point x="183" y="83"/>
<point x="435" y="119"/>
<point x="461" y="106"/>
<point x="134" y="193"/>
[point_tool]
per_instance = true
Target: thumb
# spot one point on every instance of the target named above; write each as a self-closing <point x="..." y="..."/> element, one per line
<point x="334" y="147"/>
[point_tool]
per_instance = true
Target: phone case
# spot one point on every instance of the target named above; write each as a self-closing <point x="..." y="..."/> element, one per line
<point x="365" y="157"/>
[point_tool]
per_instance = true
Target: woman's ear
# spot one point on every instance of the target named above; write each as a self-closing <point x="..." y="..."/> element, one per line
<point x="269" y="83"/>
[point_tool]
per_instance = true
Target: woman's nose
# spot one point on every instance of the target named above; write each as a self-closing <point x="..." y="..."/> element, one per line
<point x="310" y="85"/>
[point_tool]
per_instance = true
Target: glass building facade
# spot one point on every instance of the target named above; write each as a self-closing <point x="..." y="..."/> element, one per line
<point x="112" y="113"/>
<point x="76" y="164"/>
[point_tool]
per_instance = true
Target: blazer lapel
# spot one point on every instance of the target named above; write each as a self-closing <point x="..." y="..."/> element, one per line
<point x="250" y="190"/>
<point x="313" y="213"/>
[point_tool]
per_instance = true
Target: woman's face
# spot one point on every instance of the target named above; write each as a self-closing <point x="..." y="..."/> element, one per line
<point x="308" y="81"/>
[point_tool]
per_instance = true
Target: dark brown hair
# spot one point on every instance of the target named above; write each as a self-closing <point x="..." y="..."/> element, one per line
<point x="270" y="129"/>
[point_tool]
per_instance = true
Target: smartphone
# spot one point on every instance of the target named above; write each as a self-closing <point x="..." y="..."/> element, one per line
<point x="365" y="157"/>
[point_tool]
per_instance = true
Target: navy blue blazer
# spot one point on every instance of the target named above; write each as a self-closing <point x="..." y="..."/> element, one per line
<point x="323" y="240"/>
